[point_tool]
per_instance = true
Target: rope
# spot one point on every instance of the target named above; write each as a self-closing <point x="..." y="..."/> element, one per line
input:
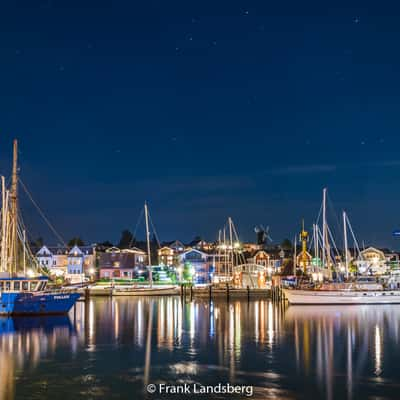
<point x="335" y="214"/>
<point x="136" y="227"/>
<point x="42" y="214"/>
<point x="354" y="237"/>
<point x="154" y="231"/>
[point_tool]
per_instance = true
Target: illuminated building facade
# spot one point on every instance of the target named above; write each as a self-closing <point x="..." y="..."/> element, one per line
<point x="122" y="263"/>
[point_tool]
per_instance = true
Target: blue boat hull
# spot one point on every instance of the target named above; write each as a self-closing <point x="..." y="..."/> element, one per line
<point x="36" y="303"/>
<point x="41" y="323"/>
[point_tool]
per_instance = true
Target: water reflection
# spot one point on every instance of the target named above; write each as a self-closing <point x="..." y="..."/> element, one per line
<point x="322" y="352"/>
<point x="24" y="342"/>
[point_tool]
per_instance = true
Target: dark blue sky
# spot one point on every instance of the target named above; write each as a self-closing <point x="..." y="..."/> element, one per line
<point x="206" y="109"/>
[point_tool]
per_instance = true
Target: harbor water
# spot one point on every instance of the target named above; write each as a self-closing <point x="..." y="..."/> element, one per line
<point x="113" y="348"/>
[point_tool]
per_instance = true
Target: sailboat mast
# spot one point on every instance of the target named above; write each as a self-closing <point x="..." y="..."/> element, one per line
<point x="146" y="213"/>
<point x="315" y="233"/>
<point x="226" y="263"/>
<point x="295" y="255"/>
<point x="3" y="266"/>
<point x="231" y="247"/>
<point x="218" y="270"/>
<point x="14" y="209"/>
<point x="324" y="235"/>
<point x="24" y="251"/>
<point x="345" y="244"/>
<point x="326" y="255"/>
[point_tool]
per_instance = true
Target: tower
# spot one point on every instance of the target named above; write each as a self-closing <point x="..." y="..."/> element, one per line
<point x="304" y="239"/>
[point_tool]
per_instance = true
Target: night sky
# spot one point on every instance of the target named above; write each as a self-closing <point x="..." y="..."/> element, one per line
<point x="206" y="109"/>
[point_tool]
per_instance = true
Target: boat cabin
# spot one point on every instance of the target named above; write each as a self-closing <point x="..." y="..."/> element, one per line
<point x="23" y="284"/>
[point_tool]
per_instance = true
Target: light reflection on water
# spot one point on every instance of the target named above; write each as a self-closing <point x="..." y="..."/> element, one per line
<point x="109" y="348"/>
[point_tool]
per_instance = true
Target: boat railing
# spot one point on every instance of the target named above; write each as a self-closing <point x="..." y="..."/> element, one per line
<point x="62" y="291"/>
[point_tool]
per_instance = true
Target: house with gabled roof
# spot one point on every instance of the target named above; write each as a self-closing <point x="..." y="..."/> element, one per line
<point x="66" y="261"/>
<point x="122" y="263"/>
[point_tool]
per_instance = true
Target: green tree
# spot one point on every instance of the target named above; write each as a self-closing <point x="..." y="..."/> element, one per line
<point x="187" y="274"/>
<point x="106" y="243"/>
<point x="76" y="241"/>
<point x="353" y="267"/>
<point x="126" y="239"/>
<point x="286" y="245"/>
<point x="39" y="242"/>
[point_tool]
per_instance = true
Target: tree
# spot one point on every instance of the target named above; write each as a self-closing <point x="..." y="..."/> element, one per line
<point x="76" y="241"/>
<point x="353" y="267"/>
<point x="187" y="272"/>
<point x="39" y="242"/>
<point x="286" y="245"/>
<point x="126" y="240"/>
<point x="106" y="244"/>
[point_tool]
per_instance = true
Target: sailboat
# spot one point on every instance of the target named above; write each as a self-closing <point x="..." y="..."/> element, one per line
<point x="21" y="294"/>
<point x="150" y="290"/>
<point x="364" y="290"/>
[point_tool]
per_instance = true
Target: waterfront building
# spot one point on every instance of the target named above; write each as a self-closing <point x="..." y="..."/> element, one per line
<point x="373" y="261"/>
<point x="168" y="255"/>
<point x="202" y="245"/>
<point x="177" y="246"/>
<point x="197" y="263"/>
<point x="268" y="261"/>
<point x="71" y="263"/>
<point x="122" y="263"/>
<point x="54" y="259"/>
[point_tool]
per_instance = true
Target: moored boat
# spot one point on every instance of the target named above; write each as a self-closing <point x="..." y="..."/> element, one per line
<point x="21" y="293"/>
<point x="316" y="297"/>
<point x="347" y="287"/>
<point x="27" y="296"/>
<point x="145" y="291"/>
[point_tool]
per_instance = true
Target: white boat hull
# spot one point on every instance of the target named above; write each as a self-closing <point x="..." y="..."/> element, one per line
<point x="155" y="291"/>
<point x="310" y="297"/>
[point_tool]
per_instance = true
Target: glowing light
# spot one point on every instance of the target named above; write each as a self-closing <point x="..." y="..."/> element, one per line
<point x="378" y="352"/>
<point x="270" y="324"/>
<point x="314" y="276"/>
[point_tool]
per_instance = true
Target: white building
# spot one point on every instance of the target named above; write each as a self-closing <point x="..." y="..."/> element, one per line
<point x="72" y="263"/>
